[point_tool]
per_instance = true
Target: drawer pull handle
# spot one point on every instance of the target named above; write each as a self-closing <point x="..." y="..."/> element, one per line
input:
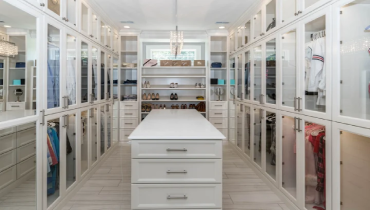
<point x="128" y="105"/>
<point x="177" y="197"/>
<point x="218" y="123"/>
<point x="218" y="113"/>
<point x="177" y="150"/>
<point x="218" y="105"/>
<point x="177" y="172"/>
<point x="128" y="113"/>
<point x="14" y="106"/>
<point x="128" y="123"/>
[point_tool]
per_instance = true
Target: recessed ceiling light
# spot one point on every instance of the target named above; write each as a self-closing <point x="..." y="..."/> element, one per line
<point x="126" y="26"/>
<point x="221" y="27"/>
<point x="6" y="26"/>
<point x="127" y="21"/>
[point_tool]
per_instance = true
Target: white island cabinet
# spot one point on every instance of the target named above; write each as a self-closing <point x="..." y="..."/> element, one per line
<point x="176" y="162"/>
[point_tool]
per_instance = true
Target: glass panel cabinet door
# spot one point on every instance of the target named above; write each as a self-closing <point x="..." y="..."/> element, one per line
<point x="95" y="82"/>
<point x="232" y="43"/>
<point x="102" y="33"/>
<point x="109" y="77"/>
<point x="53" y="65"/>
<point x="289" y="9"/>
<point x="103" y="78"/>
<point x="102" y="129"/>
<point x="84" y="72"/>
<point x="289" y="65"/>
<point x="257" y="57"/>
<point x="270" y="15"/>
<point x="239" y="125"/>
<point x="271" y="72"/>
<point x="108" y="38"/>
<point x="84" y="18"/>
<point x="84" y="141"/>
<point x="257" y="25"/>
<point x="247" y="75"/>
<point x="232" y="79"/>
<point x="315" y="71"/>
<point x="308" y="3"/>
<point x="247" y="33"/>
<point x="94" y="135"/>
<point x="94" y="26"/>
<point x="71" y="150"/>
<point x="109" y="125"/>
<point x="247" y="131"/>
<point x="71" y="11"/>
<point x="289" y="158"/>
<point x="240" y="77"/>
<point x="354" y="60"/>
<point x="115" y="77"/>
<point x="240" y="38"/>
<point x="258" y="136"/>
<point x="54" y="6"/>
<point x="71" y="89"/>
<point x="271" y="144"/>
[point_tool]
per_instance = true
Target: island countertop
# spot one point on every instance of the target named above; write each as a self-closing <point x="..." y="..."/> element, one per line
<point x="175" y="124"/>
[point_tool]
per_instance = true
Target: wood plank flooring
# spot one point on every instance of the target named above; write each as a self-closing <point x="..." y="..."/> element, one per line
<point x="110" y="188"/>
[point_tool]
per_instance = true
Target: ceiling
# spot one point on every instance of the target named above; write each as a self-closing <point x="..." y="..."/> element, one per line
<point x="159" y="14"/>
<point x="15" y="17"/>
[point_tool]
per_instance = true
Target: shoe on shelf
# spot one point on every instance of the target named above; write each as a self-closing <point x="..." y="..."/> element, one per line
<point x="147" y="84"/>
<point x="172" y="85"/>
<point x="148" y="108"/>
<point x="185" y="106"/>
<point x="144" y="96"/>
<point x="196" y="85"/>
<point x="144" y="84"/>
<point x="177" y="106"/>
<point x="142" y="108"/>
<point x="199" y="85"/>
<point x="176" y="85"/>
<point x="164" y="106"/>
<point x="176" y="97"/>
<point x="157" y="96"/>
<point x="149" y="97"/>
<point x="152" y="106"/>
<point x="172" y="97"/>
<point x="153" y="96"/>
<point x="172" y="106"/>
<point x="202" y="86"/>
<point x="160" y="106"/>
<point x="156" y="106"/>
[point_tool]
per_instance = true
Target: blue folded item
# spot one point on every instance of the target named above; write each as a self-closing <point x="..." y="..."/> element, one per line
<point x="221" y="82"/>
<point x="216" y="65"/>
<point x="20" y="65"/>
<point x="17" y="82"/>
<point x="1" y="65"/>
<point x="232" y="82"/>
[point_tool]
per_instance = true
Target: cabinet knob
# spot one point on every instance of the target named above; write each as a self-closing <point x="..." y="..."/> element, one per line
<point x="42" y="4"/>
<point x="295" y="14"/>
<point x="299" y="12"/>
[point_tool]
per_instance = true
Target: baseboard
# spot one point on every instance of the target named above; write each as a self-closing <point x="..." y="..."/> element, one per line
<point x="77" y="187"/>
<point x="273" y="187"/>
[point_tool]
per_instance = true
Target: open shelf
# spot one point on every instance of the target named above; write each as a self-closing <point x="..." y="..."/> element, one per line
<point x="166" y="87"/>
<point x="181" y="98"/>
<point x="173" y="75"/>
<point x="174" y="67"/>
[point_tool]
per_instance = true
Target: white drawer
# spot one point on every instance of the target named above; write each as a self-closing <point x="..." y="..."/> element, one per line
<point x="26" y="151"/>
<point x="176" y="171"/>
<point x="125" y="133"/>
<point x="26" y="136"/>
<point x="129" y="105"/>
<point x="26" y="166"/>
<point x="8" y="142"/>
<point x="176" y="196"/>
<point x="7" y="131"/>
<point x="232" y="112"/>
<point x="231" y="105"/>
<point x="232" y="123"/>
<point x="232" y="134"/>
<point x="224" y="131"/>
<point x="115" y="122"/>
<point x="26" y="126"/>
<point x="11" y="106"/>
<point x="176" y="149"/>
<point x="129" y="113"/>
<point x="8" y="176"/>
<point x="8" y="159"/>
<point x="218" y="113"/>
<point x="219" y="122"/>
<point x="128" y="123"/>
<point x="218" y="105"/>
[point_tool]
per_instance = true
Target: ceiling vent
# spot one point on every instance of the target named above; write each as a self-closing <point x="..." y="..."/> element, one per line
<point x="128" y="22"/>
<point x="223" y="23"/>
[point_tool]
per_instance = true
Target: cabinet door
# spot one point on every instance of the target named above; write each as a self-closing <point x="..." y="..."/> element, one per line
<point x="289" y="10"/>
<point x="240" y="93"/>
<point x="257" y="25"/>
<point x="232" y="78"/>
<point x="269" y="143"/>
<point x="84" y="141"/>
<point x="270" y="72"/>
<point x="247" y="33"/>
<point x="71" y="149"/>
<point x="109" y="125"/>
<point x="351" y="88"/>
<point x="109" y="78"/>
<point x="232" y="43"/>
<point x="54" y="8"/>
<point x="37" y="3"/>
<point x="108" y="38"/>
<point x="247" y="126"/>
<point x="94" y="24"/>
<point x="71" y="12"/>
<point x="270" y="16"/>
<point x="94" y="72"/>
<point x="103" y="75"/>
<point x="84" y="19"/>
<point x="71" y="69"/>
<point x="102" y="33"/>
<point x="85" y="74"/>
<point x="94" y="135"/>
<point x="257" y="136"/>
<point x="257" y="73"/>
<point x="115" y="76"/>
<point x="239" y="126"/>
<point x="103" y="131"/>
<point x="240" y="37"/>
<point x="247" y="75"/>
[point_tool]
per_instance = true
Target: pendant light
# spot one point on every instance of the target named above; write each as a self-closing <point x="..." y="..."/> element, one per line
<point x="8" y="49"/>
<point x="176" y="37"/>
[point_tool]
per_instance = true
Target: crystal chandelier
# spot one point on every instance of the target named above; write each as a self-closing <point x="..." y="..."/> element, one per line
<point x="8" y="49"/>
<point x="176" y="42"/>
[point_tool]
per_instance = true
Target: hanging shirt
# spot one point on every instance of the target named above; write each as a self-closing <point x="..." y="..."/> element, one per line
<point x="316" y="74"/>
<point x="308" y="60"/>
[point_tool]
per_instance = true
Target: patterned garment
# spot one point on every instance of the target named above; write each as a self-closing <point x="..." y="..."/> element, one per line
<point x="321" y="166"/>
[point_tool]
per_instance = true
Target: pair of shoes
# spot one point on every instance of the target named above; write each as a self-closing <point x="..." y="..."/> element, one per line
<point x="174" y="96"/>
<point x="184" y="106"/>
<point x="192" y="106"/>
<point x="175" y="106"/>
<point x="150" y="96"/>
<point x="199" y="85"/>
<point x="201" y="107"/>
<point x="174" y="85"/>
<point x="146" y="84"/>
<point x="159" y="106"/>
<point x="146" y="107"/>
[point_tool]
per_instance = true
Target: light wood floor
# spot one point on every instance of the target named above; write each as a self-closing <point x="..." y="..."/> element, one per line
<point x="109" y="187"/>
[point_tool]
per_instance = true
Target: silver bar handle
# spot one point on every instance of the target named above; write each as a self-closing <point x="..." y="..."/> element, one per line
<point x="299" y="104"/>
<point x="299" y="125"/>
<point x="177" y="172"/>
<point x="177" y="197"/>
<point x="176" y="150"/>
<point x="65" y="121"/>
<point x="295" y="123"/>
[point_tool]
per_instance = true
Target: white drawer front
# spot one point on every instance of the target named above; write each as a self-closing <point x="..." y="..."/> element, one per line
<point x="26" y="126"/>
<point x="129" y="105"/>
<point x="218" y="105"/>
<point x="8" y="142"/>
<point x="26" y="151"/>
<point x="7" y="131"/>
<point x="11" y="106"/>
<point x="125" y="133"/>
<point x="219" y="122"/>
<point x="176" y="196"/>
<point x="232" y="112"/>
<point x="218" y="113"/>
<point x="25" y="137"/>
<point x="231" y="105"/>
<point x="8" y="159"/>
<point x="8" y="176"/>
<point x="176" y="171"/>
<point x="176" y="149"/>
<point x="232" y="123"/>
<point x="128" y="123"/>
<point x="129" y="113"/>
<point x="26" y="166"/>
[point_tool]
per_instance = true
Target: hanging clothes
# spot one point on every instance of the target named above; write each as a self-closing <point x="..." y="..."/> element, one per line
<point x="71" y="81"/>
<point x="53" y="64"/>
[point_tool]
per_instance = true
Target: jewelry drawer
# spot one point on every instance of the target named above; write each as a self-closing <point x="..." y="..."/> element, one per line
<point x="219" y="122"/>
<point x="26" y="166"/>
<point x="176" y="149"/>
<point x="176" y="196"/>
<point x="11" y="106"/>
<point x="129" y="113"/>
<point x="176" y="171"/>
<point x="125" y="133"/>
<point x="218" y="113"/>
<point x="26" y="151"/>
<point x="26" y="126"/>
<point x="8" y="142"/>
<point x="129" y="105"/>
<point x="8" y="176"/>
<point x="7" y="131"/>
<point x="218" y="105"/>
<point x="128" y="123"/>
<point x="8" y="159"/>
<point x="26" y="137"/>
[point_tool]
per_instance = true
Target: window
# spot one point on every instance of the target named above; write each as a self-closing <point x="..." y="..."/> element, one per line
<point x="165" y="54"/>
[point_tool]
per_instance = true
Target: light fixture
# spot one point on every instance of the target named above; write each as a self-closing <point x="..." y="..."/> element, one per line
<point x="7" y="26"/>
<point x="8" y="49"/>
<point x="176" y="37"/>
<point x="126" y="26"/>
<point x="221" y="27"/>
